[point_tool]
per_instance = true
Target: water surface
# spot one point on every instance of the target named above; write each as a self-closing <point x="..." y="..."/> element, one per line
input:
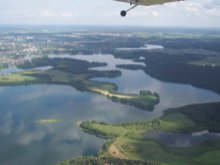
<point x="181" y="139"/>
<point x="24" y="141"/>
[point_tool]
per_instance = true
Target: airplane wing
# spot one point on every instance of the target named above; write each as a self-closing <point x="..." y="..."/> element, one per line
<point x="147" y="2"/>
<point x="135" y="3"/>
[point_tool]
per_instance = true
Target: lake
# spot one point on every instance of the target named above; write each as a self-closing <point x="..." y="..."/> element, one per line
<point x="145" y="47"/>
<point x="23" y="140"/>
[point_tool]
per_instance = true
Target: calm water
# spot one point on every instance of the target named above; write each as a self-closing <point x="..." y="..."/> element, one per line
<point x="182" y="140"/>
<point x="24" y="141"/>
<point x="146" y="47"/>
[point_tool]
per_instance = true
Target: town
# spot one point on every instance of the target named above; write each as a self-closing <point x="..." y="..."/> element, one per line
<point x="17" y="47"/>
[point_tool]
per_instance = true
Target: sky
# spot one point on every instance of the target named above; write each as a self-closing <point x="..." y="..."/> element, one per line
<point x="189" y="13"/>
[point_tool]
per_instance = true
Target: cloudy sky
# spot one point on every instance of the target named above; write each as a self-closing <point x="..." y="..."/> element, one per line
<point x="190" y="13"/>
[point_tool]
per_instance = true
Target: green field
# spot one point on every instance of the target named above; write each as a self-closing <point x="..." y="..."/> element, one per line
<point x="209" y="158"/>
<point x="16" y="79"/>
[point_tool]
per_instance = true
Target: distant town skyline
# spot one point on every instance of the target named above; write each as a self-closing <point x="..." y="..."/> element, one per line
<point x="189" y="13"/>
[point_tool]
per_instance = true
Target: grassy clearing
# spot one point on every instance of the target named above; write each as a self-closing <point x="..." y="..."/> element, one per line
<point x="99" y="87"/>
<point x="212" y="158"/>
<point x="177" y="122"/>
<point x="153" y="150"/>
<point x="144" y="150"/>
<point x="108" y="93"/>
<point x="18" y="78"/>
<point x="102" y="129"/>
<point x="111" y="129"/>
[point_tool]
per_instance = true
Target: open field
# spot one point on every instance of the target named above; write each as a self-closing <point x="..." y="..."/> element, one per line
<point x="16" y="79"/>
<point x="209" y="158"/>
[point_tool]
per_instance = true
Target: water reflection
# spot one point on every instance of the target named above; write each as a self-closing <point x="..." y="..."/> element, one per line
<point x="23" y="141"/>
<point x="145" y="47"/>
<point x="180" y="139"/>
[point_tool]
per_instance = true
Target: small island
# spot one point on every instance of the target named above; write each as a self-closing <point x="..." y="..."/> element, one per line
<point x="128" y="141"/>
<point x="48" y="121"/>
<point x="145" y="100"/>
<point x="76" y="73"/>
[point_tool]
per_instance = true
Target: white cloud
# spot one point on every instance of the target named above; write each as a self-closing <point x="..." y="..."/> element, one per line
<point x="48" y="13"/>
<point x="66" y="14"/>
<point x="31" y="137"/>
<point x="155" y="14"/>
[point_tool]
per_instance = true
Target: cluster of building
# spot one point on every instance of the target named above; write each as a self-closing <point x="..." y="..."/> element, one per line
<point x="15" y="47"/>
